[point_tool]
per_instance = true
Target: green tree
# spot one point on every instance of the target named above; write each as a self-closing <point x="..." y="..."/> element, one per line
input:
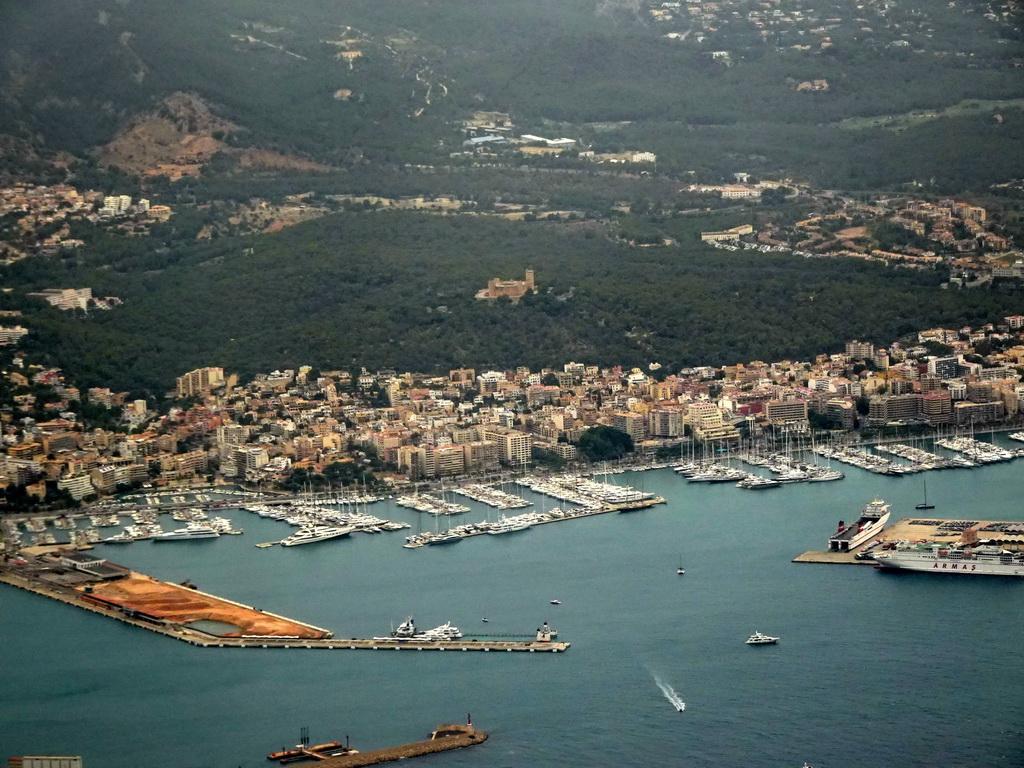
<point x="602" y="443"/>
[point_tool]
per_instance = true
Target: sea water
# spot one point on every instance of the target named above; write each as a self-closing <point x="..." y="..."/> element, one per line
<point x="871" y="668"/>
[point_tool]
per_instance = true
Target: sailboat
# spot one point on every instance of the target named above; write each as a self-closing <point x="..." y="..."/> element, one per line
<point x="925" y="504"/>
<point x="680" y="570"/>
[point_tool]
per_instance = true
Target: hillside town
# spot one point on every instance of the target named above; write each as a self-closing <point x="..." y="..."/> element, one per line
<point x="410" y="426"/>
<point x="902" y="232"/>
<point x="814" y="28"/>
<point x="36" y="219"/>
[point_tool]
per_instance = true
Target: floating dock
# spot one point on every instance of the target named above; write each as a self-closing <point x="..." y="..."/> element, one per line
<point x="143" y="599"/>
<point x="924" y="528"/>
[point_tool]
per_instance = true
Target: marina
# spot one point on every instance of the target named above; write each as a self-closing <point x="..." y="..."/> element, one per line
<point x="431" y="505"/>
<point x="493" y="497"/>
<point x="621" y="604"/>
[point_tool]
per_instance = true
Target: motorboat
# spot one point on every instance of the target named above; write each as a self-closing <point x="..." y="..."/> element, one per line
<point x="759" y="638"/>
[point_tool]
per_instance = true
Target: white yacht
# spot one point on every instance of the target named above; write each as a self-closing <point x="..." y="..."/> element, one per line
<point x="119" y="538"/>
<point x="194" y="531"/>
<point x="508" y="525"/>
<point x="445" y="632"/>
<point x="761" y="639"/>
<point x="315" y="533"/>
<point x="407" y="631"/>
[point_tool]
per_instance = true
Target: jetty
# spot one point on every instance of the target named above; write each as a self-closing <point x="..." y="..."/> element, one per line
<point x="536" y="518"/>
<point x="442" y="739"/>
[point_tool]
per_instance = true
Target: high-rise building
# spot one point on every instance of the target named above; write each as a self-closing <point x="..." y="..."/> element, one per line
<point x="514" y="448"/>
<point x="633" y="424"/>
<point x="860" y="350"/>
<point x="790" y="412"/>
<point x="885" y="408"/>
<point x="199" y="380"/>
<point x="841" y="411"/>
<point x="665" y="422"/>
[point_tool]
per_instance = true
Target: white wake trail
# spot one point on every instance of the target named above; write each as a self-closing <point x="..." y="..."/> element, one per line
<point x="670" y="694"/>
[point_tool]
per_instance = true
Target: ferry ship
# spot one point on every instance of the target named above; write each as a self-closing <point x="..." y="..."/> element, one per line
<point x="982" y="560"/>
<point x="871" y="522"/>
<point x="316" y="533"/>
<point x="188" y="532"/>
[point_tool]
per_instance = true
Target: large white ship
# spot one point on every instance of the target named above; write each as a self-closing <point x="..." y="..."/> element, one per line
<point x="316" y="533"/>
<point x="871" y="522"/>
<point x="982" y="560"/>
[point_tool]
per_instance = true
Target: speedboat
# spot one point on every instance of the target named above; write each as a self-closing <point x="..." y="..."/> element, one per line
<point x="761" y="639"/>
<point x="556" y="602"/>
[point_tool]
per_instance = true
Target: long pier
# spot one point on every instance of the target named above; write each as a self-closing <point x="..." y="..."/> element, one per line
<point x="443" y="739"/>
<point x="78" y="599"/>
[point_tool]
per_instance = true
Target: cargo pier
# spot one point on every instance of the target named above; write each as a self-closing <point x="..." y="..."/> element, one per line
<point x="1008" y="534"/>
<point x="185" y="614"/>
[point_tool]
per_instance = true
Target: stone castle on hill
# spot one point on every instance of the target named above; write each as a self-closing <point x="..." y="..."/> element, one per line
<point x="513" y="289"/>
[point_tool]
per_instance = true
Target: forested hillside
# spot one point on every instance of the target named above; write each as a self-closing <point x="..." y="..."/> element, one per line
<point x="395" y="289"/>
<point x="386" y="81"/>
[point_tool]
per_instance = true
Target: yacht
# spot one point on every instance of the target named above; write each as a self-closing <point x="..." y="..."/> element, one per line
<point x="119" y="538"/>
<point x="188" y="532"/>
<point x="761" y="639"/>
<point x="406" y="629"/>
<point x="508" y="525"/>
<point x="445" y="632"/>
<point x="315" y="533"/>
<point x="444" y="538"/>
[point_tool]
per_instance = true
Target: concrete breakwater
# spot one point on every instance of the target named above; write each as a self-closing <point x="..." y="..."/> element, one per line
<point x="148" y="618"/>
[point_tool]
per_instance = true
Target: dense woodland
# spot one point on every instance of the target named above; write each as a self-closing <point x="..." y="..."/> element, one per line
<point x="396" y="289"/>
<point x="75" y="72"/>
